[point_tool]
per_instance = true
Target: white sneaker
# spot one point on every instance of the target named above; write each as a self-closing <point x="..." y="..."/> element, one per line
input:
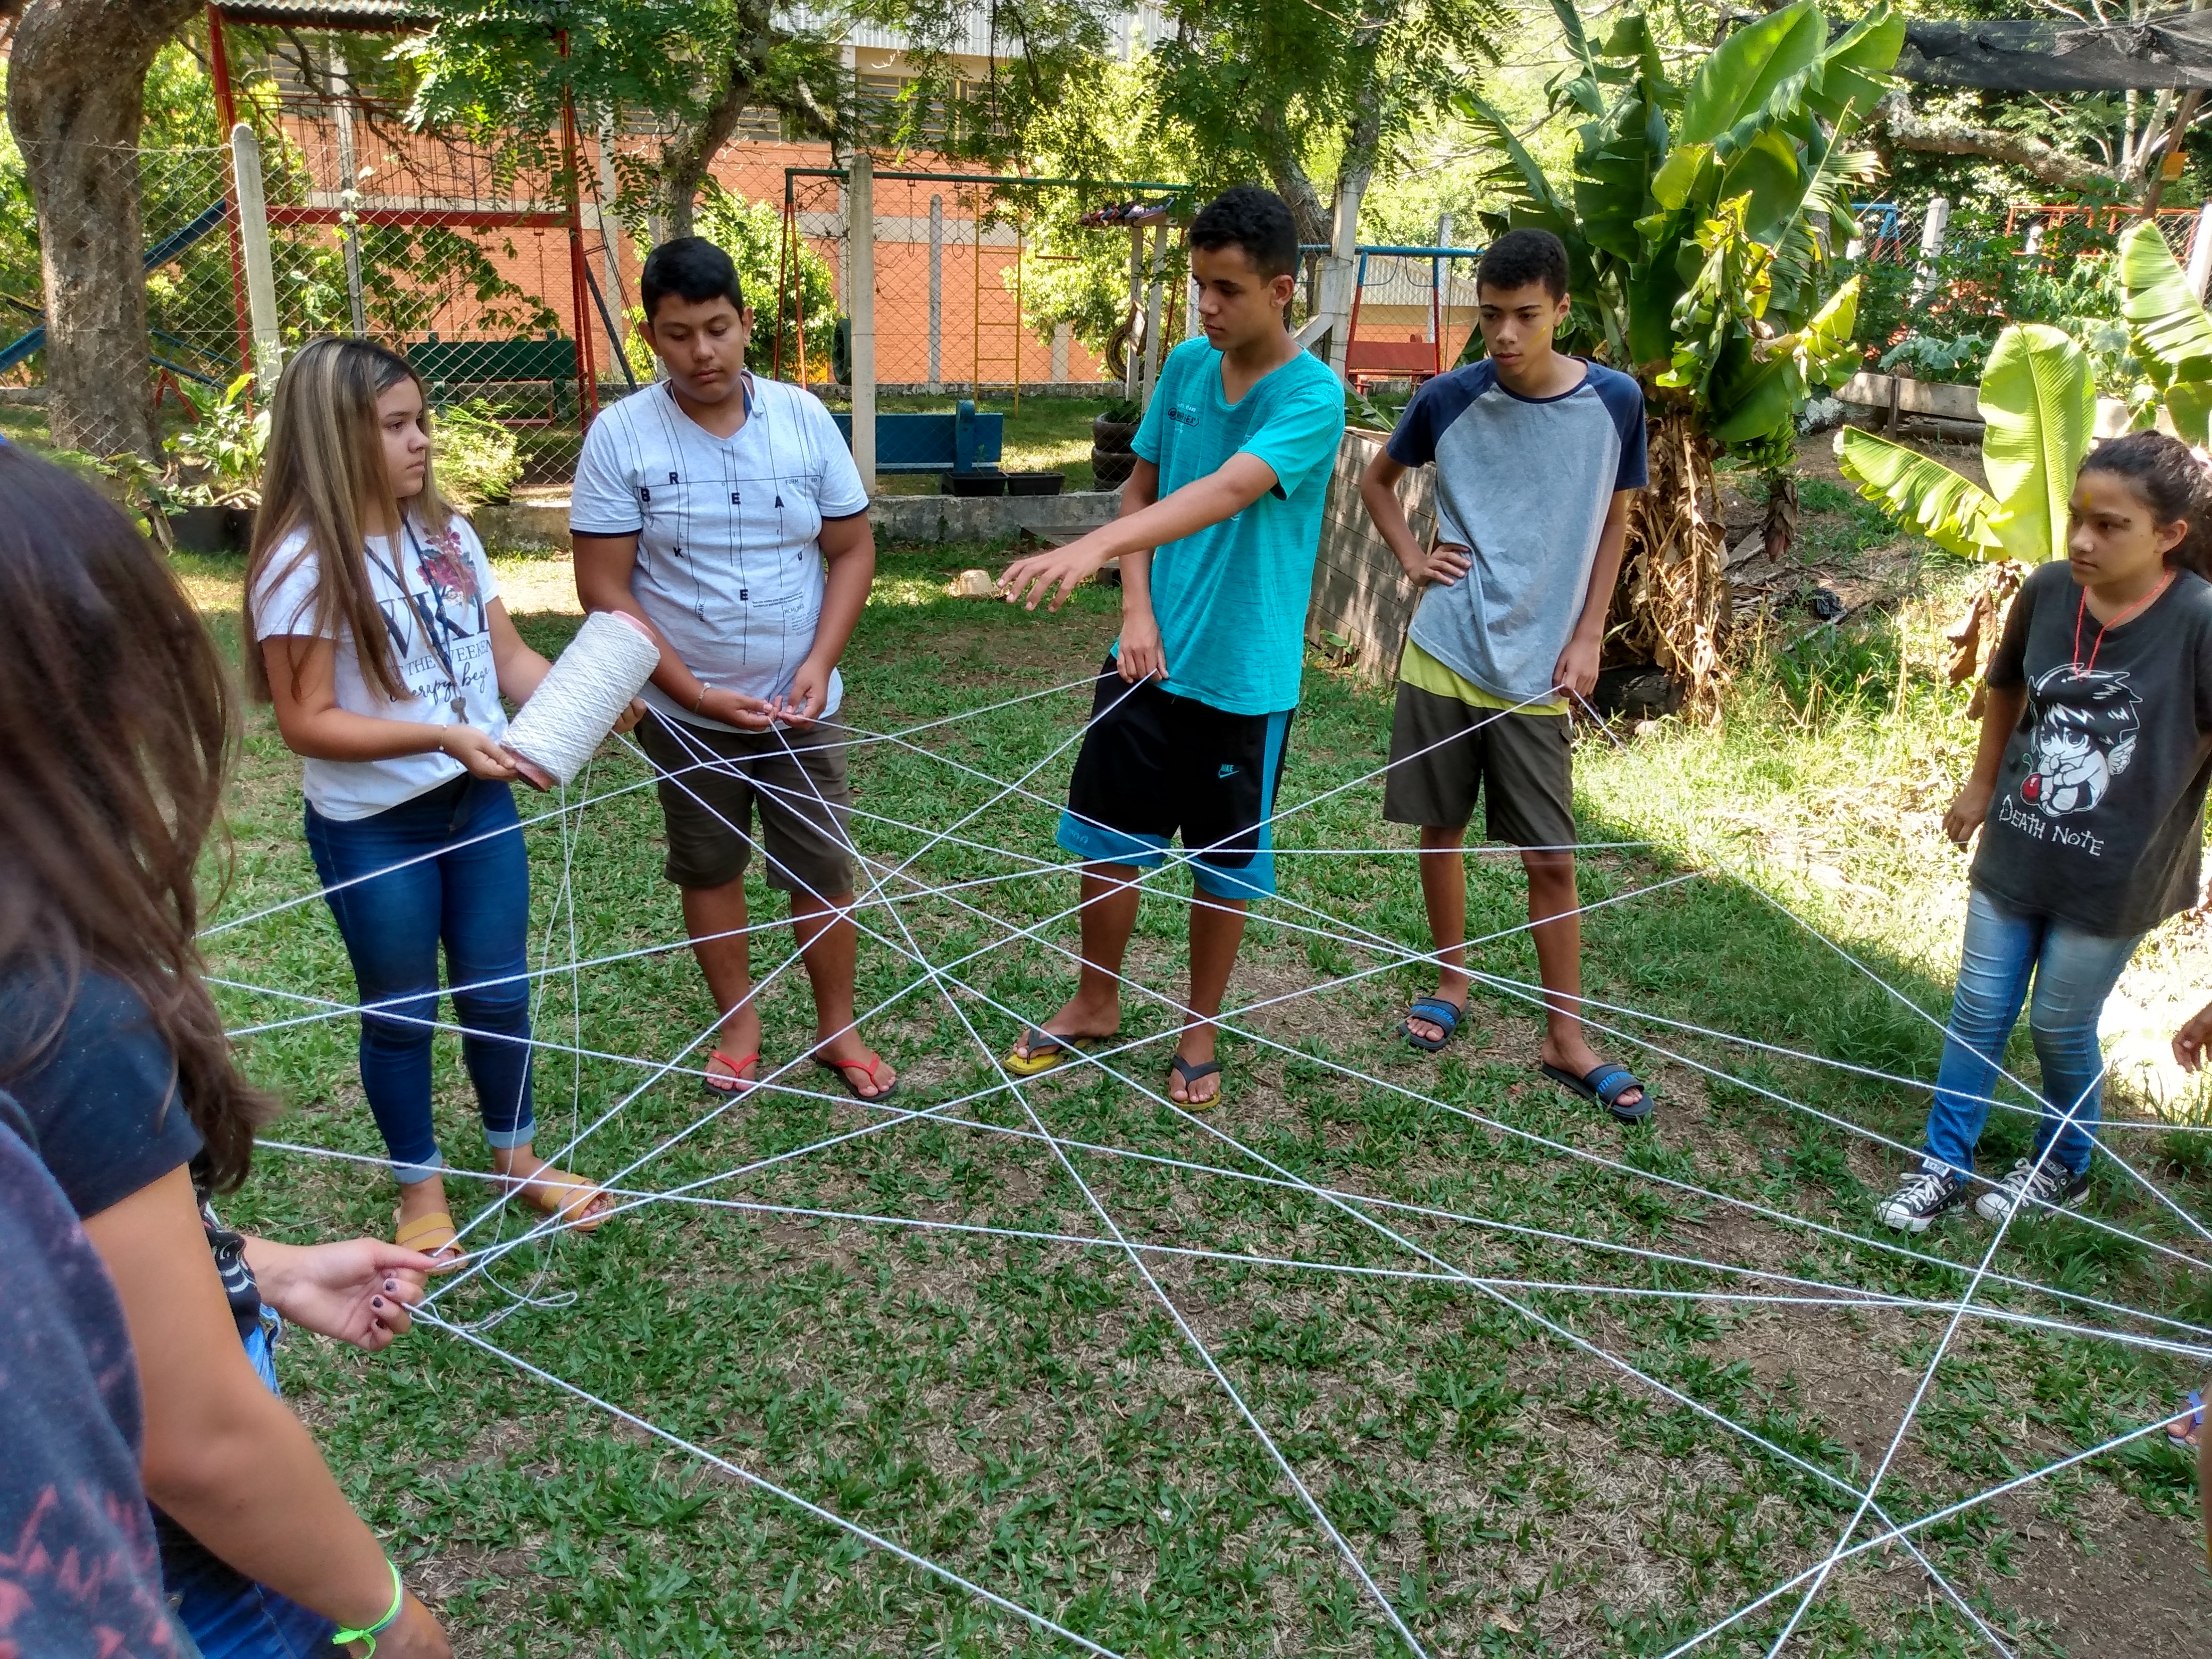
<point x="1925" y="1195"/>
<point x="2054" y="1185"/>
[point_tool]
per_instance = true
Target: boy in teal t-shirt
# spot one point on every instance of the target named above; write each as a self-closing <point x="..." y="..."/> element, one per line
<point x="1193" y="706"/>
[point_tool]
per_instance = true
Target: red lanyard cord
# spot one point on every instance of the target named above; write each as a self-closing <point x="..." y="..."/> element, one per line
<point x="2082" y="609"/>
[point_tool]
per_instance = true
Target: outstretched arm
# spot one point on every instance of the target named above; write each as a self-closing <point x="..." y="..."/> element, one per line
<point x="1240" y="481"/>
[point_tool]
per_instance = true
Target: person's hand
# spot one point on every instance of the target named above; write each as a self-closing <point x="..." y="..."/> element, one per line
<point x="629" y="717"/>
<point x="1967" y="811"/>
<point x="1578" y="667"/>
<point x="2189" y="1041"/>
<point x="1061" y="569"/>
<point x="415" y="1634"/>
<point x="357" y="1290"/>
<point x="809" y="697"/>
<point x="1443" y="565"/>
<point x="735" y="708"/>
<point x="475" y="750"/>
<point x="1141" y="656"/>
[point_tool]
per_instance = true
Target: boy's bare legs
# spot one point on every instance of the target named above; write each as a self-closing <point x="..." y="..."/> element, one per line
<point x="1217" y="929"/>
<point x="1553" y="904"/>
<point x="1109" y="917"/>
<point x="822" y="928"/>
<point x="827" y="940"/>
<point x="714" y="917"/>
<point x="1444" y="889"/>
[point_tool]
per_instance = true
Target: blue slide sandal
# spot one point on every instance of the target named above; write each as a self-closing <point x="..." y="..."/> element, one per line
<point x="1437" y="1011"/>
<point x="1605" y="1083"/>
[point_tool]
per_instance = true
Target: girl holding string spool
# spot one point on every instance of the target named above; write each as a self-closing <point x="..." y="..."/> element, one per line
<point x="385" y="647"/>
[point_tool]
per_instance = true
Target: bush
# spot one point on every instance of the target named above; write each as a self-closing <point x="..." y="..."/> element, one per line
<point x="476" y="458"/>
<point x="751" y="233"/>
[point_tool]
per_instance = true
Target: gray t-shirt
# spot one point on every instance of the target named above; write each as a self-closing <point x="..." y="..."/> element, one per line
<point x="1523" y="482"/>
<point x="2099" y="815"/>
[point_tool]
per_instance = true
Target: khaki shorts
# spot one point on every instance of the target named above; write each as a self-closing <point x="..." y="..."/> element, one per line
<point x="713" y="780"/>
<point x="1443" y="751"/>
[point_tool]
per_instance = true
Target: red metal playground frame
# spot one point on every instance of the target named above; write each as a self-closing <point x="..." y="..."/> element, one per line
<point x="392" y="20"/>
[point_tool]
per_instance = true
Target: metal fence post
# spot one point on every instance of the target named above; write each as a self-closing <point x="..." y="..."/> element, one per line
<point x="860" y="306"/>
<point x="1931" y="244"/>
<point x="260" y="270"/>
<point x="1152" y="319"/>
<point x="936" y="294"/>
<point x="2200" y="252"/>
<point x="348" y="194"/>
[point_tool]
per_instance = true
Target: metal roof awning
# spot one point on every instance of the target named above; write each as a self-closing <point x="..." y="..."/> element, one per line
<point x="2173" y="49"/>
<point x="329" y="14"/>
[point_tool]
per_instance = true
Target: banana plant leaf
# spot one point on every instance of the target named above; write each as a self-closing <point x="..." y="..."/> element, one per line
<point x="1949" y="509"/>
<point x="2189" y="406"/>
<point x="2040" y="412"/>
<point x="1855" y="71"/>
<point x="2167" y="324"/>
<point x="1750" y="66"/>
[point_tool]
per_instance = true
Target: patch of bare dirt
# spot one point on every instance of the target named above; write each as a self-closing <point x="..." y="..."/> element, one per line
<point x="2128" y="1585"/>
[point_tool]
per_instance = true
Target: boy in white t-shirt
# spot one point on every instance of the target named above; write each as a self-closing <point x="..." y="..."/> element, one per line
<point x="724" y="513"/>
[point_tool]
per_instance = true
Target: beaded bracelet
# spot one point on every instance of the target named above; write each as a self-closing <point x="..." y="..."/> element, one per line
<point x="368" y="1634"/>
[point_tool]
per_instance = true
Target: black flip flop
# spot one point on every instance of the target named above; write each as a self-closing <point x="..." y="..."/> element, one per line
<point x="1190" y="1074"/>
<point x="1606" y="1083"/>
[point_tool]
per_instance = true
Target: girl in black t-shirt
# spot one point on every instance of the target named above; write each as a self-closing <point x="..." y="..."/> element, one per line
<point x="115" y="728"/>
<point x="2089" y="789"/>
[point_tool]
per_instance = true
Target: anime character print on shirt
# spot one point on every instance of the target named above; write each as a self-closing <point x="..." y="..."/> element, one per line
<point x="2082" y="735"/>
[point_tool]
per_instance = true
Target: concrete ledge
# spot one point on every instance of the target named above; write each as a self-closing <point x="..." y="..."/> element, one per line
<point x="542" y="526"/>
<point x="524" y="526"/>
<point x="987" y="518"/>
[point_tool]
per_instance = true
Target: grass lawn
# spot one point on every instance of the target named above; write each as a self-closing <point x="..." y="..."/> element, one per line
<point x="1023" y="1410"/>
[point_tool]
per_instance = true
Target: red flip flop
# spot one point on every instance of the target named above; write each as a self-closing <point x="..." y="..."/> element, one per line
<point x="738" y="1083"/>
<point x="867" y="1068"/>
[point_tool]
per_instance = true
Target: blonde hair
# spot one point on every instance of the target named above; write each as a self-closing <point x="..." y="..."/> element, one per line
<point x="325" y="475"/>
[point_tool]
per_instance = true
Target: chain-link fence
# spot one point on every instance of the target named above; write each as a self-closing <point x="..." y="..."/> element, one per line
<point x="472" y="260"/>
<point x="989" y="287"/>
<point x="192" y="346"/>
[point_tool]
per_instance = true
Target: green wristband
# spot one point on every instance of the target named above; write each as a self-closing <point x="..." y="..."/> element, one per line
<point x="368" y="1634"/>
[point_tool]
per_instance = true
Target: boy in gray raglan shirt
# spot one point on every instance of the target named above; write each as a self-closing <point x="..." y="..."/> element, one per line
<point x="1537" y="454"/>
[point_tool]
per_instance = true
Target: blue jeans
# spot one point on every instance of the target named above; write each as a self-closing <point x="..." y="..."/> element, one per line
<point x="2074" y="972"/>
<point x="475" y="899"/>
<point x="227" y="1613"/>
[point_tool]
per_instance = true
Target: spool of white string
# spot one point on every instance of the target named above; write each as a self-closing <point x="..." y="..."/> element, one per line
<point x="577" y="704"/>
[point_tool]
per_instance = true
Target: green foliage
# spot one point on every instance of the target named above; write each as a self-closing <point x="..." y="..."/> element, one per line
<point x="1947" y="507"/>
<point x="2038" y="409"/>
<point x="219" y="455"/>
<point x="1694" y="214"/>
<point x="2038" y="413"/>
<point x="1926" y="357"/>
<point x="752" y="235"/>
<point x="478" y="459"/>
<point x="2166" y="325"/>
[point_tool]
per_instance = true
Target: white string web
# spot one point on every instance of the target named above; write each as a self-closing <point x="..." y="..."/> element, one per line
<point x="950" y="932"/>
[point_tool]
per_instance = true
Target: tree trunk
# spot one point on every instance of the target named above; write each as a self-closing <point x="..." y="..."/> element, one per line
<point x="688" y="154"/>
<point x="76" y="85"/>
<point x="1671" y="602"/>
<point x="1286" y="171"/>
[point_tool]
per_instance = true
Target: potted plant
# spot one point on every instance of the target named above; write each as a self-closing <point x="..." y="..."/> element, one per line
<point x="1112" y="432"/>
<point x="212" y="484"/>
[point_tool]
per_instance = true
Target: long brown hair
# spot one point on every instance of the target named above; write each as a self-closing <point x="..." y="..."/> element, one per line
<point x="116" y="732"/>
<point x="325" y="475"/>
